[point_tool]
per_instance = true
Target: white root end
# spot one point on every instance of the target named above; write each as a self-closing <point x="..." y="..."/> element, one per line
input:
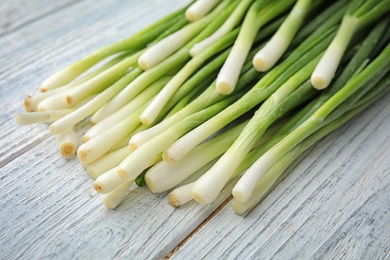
<point x="320" y="81"/>
<point x="85" y="139"/>
<point x="139" y="160"/>
<point x="199" y="47"/>
<point x="111" y="200"/>
<point x="83" y="155"/>
<point x="107" y="182"/>
<point x="68" y="142"/>
<point x="243" y="190"/>
<point x="88" y="152"/>
<point x="198" y="198"/>
<point x="68" y="149"/>
<point x="147" y="117"/>
<point x="123" y="174"/>
<point x="185" y="144"/>
<point x="157" y="104"/>
<point x="195" y="50"/>
<point x="162" y="177"/>
<point x="132" y="146"/>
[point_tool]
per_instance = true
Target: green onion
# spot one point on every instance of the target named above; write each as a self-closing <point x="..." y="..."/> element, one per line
<point x="139" y="159"/>
<point x="198" y="9"/>
<point x="357" y="16"/>
<point x="144" y="97"/>
<point x="258" y="15"/>
<point x="68" y="141"/>
<point x="164" y="176"/>
<point x="152" y="111"/>
<point x="167" y="46"/>
<point x="262" y="90"/>
<point x="271" y="109"/>
<point x="159" y="110"/>
<point x="245" y="186"/>
<point x="107" y="162"/>
<point x="229" y="25"/>
<point x="28" y="118"/>
<point x="181" y="195"/>
<point x="112" y="199"/>
<point x="99" y="145"/>
<point x="107" y="182"/>
<point x="136" y="42"/>
<point x="276" y="172"/>
<point x="91" y="107"/>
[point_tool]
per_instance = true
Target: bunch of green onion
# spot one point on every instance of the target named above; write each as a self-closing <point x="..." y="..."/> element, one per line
<point x="219" y="91"/>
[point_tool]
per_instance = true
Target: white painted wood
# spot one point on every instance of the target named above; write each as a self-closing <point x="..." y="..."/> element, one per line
<point x="334" y="204"/>
<point x="326" y="208"/>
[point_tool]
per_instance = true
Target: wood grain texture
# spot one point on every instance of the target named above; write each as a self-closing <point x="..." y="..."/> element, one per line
<point x="49" y="211"/>
<point x="334" y="204"/>
<point x="328" y="207"/>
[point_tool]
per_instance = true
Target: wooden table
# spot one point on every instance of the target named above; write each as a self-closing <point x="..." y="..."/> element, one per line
<point x="334" y="204"/>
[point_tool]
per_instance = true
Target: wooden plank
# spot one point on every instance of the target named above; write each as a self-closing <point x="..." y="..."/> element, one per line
<point x="39" y="49"/>
<point x="16" y="13"/>
<point x="49" y="211"/>
<point x="334" y="204"/>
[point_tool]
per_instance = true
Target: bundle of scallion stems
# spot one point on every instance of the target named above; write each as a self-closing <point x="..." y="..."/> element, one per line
<point x="219" y="91"/>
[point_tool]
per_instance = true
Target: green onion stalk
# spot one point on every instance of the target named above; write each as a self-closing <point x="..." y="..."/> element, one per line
<point x="359" y="15"/>
<point x="267" y="57"/>
<point x="140" y="158"/>
<point x="135" y="43"/>
<point x="261" y="91"/>
<point x="166" y="63"/>
<point x="199" y="9"/>
<point x="265" y="87"/>
<point x="230" y="23"/>
<point x="259" y="14"/>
